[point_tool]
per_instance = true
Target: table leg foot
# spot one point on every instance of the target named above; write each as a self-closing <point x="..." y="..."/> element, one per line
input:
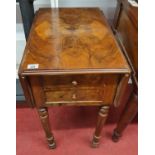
<point x="116" y="136"/>
<point x="102" y="116"/>
<point x="95" y="141"/>
<point x="51" y="143"/>
<point x="44" y="117"/>
<point x="127" y="116"/>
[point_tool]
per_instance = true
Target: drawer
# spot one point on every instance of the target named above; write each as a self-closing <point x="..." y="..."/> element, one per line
<point x="90" y="89"/>
<point x="63" y="95"/>
<point x="73" y="88"/>
<point x="72" y="81"/>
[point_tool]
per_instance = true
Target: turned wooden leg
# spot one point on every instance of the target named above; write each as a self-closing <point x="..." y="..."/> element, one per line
<point x="127" y="116"/>
<point x="102" y="116"/>
<point x="43" y="113"/>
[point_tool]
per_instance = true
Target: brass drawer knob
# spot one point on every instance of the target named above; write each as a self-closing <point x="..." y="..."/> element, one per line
<point x="74" y="83"/>
<point x="74" y="96"/>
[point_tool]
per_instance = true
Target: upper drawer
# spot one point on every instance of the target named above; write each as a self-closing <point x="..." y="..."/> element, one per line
<point x="73" y="81"/>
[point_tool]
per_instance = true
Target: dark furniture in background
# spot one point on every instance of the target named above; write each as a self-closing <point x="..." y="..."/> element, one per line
<point x="27" y="12"/>
<point x="125" y="27"/>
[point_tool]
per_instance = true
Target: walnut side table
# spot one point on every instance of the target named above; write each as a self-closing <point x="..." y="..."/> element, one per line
<point x="72" y="58"/>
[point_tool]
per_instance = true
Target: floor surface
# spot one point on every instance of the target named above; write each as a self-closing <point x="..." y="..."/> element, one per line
<point x="73" y="128"/>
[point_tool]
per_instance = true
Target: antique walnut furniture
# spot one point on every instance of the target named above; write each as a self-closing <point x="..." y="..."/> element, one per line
<point x="126" y="31"/>
<point x="72" y="58"/>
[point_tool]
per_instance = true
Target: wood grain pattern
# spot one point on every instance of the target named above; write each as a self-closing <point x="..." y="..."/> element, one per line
<point x="62" y="38"/>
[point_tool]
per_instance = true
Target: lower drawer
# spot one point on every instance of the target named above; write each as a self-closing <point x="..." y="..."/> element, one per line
<point x="65" y="95"/>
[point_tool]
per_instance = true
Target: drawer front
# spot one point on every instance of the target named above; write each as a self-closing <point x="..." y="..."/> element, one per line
<point x="65" y="95"/>
<point x="71" y="89"/>
<point x="72" y="81"/>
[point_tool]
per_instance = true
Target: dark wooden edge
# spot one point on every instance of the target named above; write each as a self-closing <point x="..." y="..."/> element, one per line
<point x="124" y="5"/>
<point x="133" y="72"/>
<point x="27" y="90"/>
<point x="117" y="14"/>
<point x="75" y="71"/>
<point x="122" y="86"/>
<point x="37" y="90"/>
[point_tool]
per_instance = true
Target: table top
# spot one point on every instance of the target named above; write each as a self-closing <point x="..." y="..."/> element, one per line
<point x="72" y="40"/>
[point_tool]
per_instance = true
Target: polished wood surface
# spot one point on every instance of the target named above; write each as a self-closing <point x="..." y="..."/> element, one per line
<point x="126" y="30"/>
<point x="75" y="60"/>
<point x="62" y="38"/>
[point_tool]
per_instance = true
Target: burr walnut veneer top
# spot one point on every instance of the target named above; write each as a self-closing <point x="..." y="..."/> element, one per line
<point x="68" y="39"/>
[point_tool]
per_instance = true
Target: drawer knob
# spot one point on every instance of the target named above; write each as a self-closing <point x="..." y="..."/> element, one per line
<point x="74" y="83"/>
<point x="74" y="96"/>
